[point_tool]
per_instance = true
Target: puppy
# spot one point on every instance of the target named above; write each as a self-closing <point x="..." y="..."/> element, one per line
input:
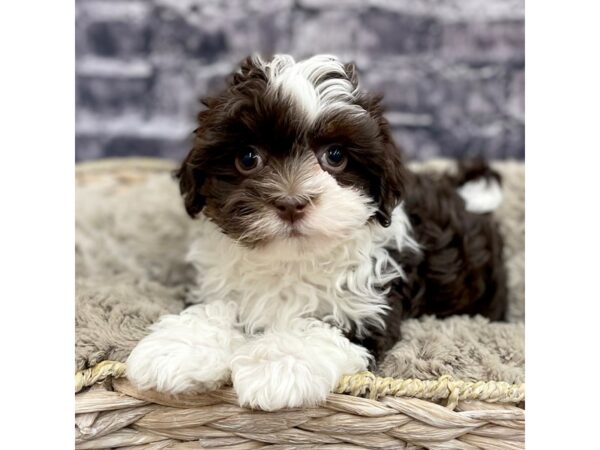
<point x="314" y="240"/>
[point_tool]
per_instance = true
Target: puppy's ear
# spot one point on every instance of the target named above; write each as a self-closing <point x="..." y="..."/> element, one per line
<point x="391" y="177"/>
<point x="392" y="184"/>
<point x="191" y="179"/>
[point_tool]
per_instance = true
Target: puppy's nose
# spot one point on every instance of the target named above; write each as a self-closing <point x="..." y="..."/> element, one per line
<point x="290" y="208"/>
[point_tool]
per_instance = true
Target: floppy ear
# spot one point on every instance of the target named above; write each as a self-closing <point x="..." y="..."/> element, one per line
<point x="391" y="179"/>
<point x="391" y="185"/>
<point x="191" y="178"/>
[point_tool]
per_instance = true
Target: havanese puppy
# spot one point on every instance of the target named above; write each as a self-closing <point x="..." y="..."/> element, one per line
<point x="314" y="240"/>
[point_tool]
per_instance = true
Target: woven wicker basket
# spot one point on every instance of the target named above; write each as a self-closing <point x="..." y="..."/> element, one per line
<point x="364" y="412"/>
<point x="402" y="414"/>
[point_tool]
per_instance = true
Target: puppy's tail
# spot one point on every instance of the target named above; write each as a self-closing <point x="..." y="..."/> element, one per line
<point x="479" y="186"/>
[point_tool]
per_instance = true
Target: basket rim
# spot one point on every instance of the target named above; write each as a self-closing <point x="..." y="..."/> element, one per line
<point x="367" y="384"/>
<point x="123" y="163"/>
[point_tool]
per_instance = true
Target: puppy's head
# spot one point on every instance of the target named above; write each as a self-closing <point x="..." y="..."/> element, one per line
<point x="292" y="151"/>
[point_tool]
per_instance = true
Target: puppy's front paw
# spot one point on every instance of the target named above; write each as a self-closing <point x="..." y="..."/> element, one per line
<point x="296" y="368"/>
<point x="190" y="352"/>
<point x="271" y="379"/>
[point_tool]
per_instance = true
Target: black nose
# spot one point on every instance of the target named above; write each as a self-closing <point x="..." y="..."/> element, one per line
<point x="290" y="208"/>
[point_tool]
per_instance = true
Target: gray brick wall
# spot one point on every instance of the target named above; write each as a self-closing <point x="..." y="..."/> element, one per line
<point x="452" y="71"/>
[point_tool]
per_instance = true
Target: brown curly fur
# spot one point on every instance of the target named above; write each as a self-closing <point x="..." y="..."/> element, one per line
<point x="460" y="269"/>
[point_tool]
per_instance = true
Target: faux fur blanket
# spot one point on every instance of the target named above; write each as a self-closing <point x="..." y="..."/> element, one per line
<point x="132" y="235"/>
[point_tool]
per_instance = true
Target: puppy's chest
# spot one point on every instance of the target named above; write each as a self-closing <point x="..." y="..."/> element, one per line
<point x="345" y="293"/>
<point x="343" y="283"/>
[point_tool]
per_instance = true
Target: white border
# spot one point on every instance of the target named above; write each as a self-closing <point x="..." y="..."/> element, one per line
<point x="37" y="223"/>
<point x="563" y="223"/>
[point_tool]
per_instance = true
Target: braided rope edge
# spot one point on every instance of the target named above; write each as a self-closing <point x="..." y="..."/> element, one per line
<point x="99" y="372"/>
<point x="367" y="384"/>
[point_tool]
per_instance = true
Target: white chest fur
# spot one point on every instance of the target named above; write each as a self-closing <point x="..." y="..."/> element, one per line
<point x="340" y="282"/>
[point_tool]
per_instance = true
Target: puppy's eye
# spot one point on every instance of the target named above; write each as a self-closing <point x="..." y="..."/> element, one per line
<point x="249" y="161"/>
<point x="334" y="158"/>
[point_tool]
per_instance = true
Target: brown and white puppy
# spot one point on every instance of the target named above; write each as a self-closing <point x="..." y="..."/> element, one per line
<point x="314" y="240"/>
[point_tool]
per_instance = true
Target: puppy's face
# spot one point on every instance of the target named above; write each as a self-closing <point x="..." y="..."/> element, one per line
<point x="292" y="152"/>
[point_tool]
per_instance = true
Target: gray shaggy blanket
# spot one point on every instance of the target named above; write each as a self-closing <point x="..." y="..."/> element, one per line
<point x="132" y="235"/>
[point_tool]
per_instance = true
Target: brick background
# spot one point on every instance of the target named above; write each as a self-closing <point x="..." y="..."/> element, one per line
<point x="452" y="71"/>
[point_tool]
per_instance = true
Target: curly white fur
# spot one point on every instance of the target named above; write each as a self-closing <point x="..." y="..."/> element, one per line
<point x="309" y="84"/>
<point x="189" y="352"/>
<point x="340" y="282"/>
<point x="295" y="366"/>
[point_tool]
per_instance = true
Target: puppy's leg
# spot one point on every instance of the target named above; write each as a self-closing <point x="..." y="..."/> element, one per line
<point x="189" y="352"/>
<point x="294" y="367"/>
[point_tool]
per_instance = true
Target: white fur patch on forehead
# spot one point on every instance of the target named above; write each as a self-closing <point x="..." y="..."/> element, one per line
<point x="316" y="85"/>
